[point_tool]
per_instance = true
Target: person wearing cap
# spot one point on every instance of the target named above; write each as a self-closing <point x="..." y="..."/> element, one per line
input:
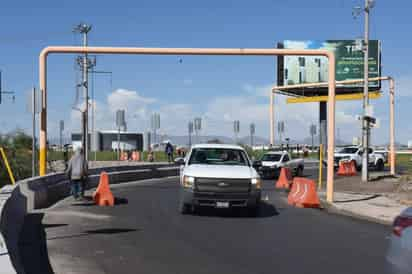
<point x="77" y="173"/>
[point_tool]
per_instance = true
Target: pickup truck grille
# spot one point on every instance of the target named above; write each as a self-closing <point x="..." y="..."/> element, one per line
<point x="216" y="185"/>
<point x="337" y="159"/>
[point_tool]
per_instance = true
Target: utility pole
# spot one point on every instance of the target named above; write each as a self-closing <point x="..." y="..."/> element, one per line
<point x="281" y="130"/>
<point x="120" y="123"/>
<point x="236" y="129"/>
<point x="84" y="29"/>
<point x="369" y="4"/>
<point x="312" y="133"/>
<point x="61" y="128"/>
<point x="155" y="125"/>
<point x="252" y="133"/>
<point x="198" y="127"/>
<point x="190" y="130"/>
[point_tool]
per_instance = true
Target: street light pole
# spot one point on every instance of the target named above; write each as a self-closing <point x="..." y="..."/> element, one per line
<point x="365" y="123"/>
<point x="84" y="29"/>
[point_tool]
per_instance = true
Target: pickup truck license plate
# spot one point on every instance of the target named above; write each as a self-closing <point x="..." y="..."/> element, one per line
<point x="222" y="204"/>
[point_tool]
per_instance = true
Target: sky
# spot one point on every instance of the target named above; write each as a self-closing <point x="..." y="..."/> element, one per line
<point x="218" y="89"/>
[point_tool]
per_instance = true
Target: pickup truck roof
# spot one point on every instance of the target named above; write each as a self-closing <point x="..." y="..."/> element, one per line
<point x="218" y="146"/>
<point x="276" y="152"/>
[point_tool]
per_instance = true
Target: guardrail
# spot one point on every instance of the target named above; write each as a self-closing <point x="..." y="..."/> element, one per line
<point x="42" y="192"/>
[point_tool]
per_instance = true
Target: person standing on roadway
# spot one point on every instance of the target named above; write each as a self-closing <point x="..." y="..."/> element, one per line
<point x="169" y="152"/>
<point x="77" y="172"/>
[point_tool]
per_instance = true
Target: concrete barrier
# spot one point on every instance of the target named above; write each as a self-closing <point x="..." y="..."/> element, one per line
<point x="42" y="192"/>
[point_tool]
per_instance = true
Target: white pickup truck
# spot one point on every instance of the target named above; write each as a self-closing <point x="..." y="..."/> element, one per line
<point x="271" y="162"/>
<point x="354" y="153"/>
<point x="219" y="176"/>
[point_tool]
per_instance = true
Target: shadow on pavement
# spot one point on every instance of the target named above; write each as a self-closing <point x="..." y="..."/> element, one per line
<point x="110" y="231"/>
<point x="359" y="200"/>
<point x="33" y="247"/>
<point x="88" y="201"/>
<point x="45" y="226"/>
<point x="102" y="231"/>
<point x="266" y="210"/>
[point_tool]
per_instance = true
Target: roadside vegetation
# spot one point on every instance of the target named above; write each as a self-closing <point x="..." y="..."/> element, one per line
<point x="404" y="163"/>
<point x="17" y="146"/>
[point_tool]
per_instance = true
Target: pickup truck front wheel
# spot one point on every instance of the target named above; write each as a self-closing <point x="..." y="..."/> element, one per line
<point x="299" y="171"/>
<point x="185" y="208"/>
<point x="254" y="211"/>
<point x="380" y="165"/>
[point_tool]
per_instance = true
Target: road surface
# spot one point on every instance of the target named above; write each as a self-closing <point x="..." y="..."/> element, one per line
<point x="144" y="233"/>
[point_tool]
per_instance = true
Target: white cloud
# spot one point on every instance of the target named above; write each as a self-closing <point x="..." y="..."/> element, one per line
<point x="128" y="100"/>
<point x="135" y="105"/>
<point x="297" y="44"/>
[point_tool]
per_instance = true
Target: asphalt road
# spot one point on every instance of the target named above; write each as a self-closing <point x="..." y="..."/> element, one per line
<point x="144" y="233"/>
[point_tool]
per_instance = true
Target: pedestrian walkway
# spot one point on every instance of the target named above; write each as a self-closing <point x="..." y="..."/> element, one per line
<point x="371" y="207"/>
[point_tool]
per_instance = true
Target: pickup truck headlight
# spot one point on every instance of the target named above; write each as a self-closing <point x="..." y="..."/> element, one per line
<point x="257" y="183"/>
<point x="188" y="181"/>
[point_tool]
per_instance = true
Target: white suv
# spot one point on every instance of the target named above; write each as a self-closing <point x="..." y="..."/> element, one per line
<point x="219" y="176"/>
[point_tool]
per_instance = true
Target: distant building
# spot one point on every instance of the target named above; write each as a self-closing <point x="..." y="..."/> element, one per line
<point x="410" y="144"/>
<point x="108" y="140"/>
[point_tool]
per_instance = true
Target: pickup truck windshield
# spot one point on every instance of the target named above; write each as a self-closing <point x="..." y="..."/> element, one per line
<point x="218" y="156"/>
<point x="349" y="150"/>
<point x="271" y="157"/>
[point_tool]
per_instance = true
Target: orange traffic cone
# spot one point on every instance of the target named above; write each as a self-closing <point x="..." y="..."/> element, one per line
<point x="352" y="168"/>
<point x="103" y="195"/>
<point x="285" y="178"/>
<point x="341" y="170"/>
<point x="309" y="197"/>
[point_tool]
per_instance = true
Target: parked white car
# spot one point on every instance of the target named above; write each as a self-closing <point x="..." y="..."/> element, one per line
<point x="219" y="176"/>
<point x="399" y="253"/>
<point x="354" y="153"/>
<point x="271" y="162"/>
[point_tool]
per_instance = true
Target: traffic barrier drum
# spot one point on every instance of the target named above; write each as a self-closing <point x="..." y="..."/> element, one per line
<point x="303" y="193"/>
<point x="347" y="168"/>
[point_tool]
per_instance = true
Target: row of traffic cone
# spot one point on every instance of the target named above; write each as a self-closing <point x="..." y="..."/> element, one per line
<point x="346" y="168"/>
<point x="302" y="190"/>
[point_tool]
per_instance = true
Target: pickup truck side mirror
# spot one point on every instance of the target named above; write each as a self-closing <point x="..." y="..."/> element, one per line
<point x="180" y="161"/>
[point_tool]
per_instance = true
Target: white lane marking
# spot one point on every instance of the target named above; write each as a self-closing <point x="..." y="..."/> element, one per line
<point x="79" y="214"/>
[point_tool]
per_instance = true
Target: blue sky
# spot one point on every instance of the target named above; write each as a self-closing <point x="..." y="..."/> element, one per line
<point x="220" y="89"/>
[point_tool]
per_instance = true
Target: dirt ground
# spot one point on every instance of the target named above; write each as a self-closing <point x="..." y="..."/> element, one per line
<point x="398" y="188"/>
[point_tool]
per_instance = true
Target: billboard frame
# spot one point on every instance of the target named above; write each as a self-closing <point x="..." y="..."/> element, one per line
<point x="321" y="91"/>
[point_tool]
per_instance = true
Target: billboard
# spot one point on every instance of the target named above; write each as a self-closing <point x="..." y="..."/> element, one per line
<point x="294" y="70"/>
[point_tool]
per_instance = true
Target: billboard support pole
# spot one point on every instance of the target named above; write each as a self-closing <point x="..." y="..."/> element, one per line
<point x="392" y="125"/>
<point x="392" y="153"/>
<point x="272" y="118"/>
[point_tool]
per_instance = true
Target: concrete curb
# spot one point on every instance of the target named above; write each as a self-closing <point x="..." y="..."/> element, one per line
<point x="332" y="209"/>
